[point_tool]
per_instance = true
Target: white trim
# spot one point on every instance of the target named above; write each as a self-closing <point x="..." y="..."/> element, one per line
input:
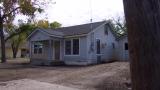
<point x="71" y="47"/>
<point x="60" y="50"/>
<point x="50" y="35"/>
<point x="32" y="34"/>
<point x="74" y="36"/>
<point x="95" y="29"/>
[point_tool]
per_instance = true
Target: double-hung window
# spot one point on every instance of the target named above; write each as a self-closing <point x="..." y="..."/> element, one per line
<point x="72" y="47"/>
<point x="68" y="47"/>
<point x="38" y="46"/>
<point x="75" y="46"/>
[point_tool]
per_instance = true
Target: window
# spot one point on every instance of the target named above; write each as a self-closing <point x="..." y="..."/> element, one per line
<point x="113" y="45"/>
<point x="126" y="46"/>
<point x="38" y="48"/>
<point x="72" y="47"/>
<point x="68" y="47"/>
<point x="75" y="46"/>
<point x="98" y="47"/>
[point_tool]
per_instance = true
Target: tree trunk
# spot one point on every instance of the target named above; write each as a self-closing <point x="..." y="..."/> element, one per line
<point x="3" y="54"/>
<point x="143" y="23"/>
<point x="14" y="49"/>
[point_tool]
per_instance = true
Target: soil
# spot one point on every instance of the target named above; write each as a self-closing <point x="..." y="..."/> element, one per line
<point x="108" y="76"/>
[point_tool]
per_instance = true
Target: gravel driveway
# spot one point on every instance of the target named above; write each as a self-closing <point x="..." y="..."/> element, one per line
<point x="27" y="84"/>
<point x="109" y="76"/>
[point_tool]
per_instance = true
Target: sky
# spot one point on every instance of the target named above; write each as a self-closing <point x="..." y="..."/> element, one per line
<point x="75" y="12"/>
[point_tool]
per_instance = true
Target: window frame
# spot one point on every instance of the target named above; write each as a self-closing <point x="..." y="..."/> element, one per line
<point x="39" y="48"/>
<point x="65" y="47"/>
<point x="71" y="47"/>
<point x="98" y="52"/>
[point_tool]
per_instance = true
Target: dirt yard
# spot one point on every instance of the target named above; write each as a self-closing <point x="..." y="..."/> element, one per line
<point x="109" y="76"/>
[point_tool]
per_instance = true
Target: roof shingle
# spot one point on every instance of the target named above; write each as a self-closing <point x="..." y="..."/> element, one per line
<point x="74" y="30"/>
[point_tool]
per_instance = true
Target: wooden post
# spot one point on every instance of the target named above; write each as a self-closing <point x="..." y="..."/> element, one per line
<point x="50" y="50"/>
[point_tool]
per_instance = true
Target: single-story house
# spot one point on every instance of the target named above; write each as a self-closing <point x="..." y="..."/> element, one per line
<point x="77" y="45"/>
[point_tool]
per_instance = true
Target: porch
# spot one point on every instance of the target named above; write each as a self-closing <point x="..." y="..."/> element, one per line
<point x="46" y="52"/>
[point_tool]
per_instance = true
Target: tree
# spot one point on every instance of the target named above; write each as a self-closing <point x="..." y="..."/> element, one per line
<point x="15" y="43"/>
<point x="143" y="25"/>
<point x="25" y="29"/>
<point x="19" y="39"/>
<point x="55" y="25"/>
<point x="120" y="26"/>
<point x="8" y="10"/>
<point x="42" y="24"/>
<point x="45" y="24"/>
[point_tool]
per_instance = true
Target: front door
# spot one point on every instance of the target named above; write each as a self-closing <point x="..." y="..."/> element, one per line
<point x="57" y="50"/>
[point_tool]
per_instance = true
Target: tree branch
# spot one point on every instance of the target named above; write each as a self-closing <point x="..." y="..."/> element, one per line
<point x="5" y="15"/>
<point x="14" y="34"/>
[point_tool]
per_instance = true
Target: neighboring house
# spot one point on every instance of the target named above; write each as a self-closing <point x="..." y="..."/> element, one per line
<point x="77" y="45"/>
<point x="22" y="50"/>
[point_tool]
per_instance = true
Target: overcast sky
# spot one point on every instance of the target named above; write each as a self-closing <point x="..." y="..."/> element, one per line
<point x="73" y="12"/>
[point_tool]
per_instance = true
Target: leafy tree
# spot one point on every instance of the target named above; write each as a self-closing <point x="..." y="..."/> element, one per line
<point x="42" y="24"/>
<point x="143" y="25"/>
<point x="19" y="39"/>
<point x="25" y="30"/>
<point x="45" y="24"/>
<point x="8" y="10"/>
<point x="55" y="25"/>
<point x="16" y="42"/>
<point x="119" y="26"/>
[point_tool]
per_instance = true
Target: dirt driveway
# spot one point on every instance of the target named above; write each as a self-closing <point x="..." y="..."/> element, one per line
<point x="109" y="76"/>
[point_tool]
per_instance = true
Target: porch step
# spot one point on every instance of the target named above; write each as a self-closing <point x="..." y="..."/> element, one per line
<point x="57" y="63"/>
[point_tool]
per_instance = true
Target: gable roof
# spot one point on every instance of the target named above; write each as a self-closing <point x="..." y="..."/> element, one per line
<point x="75" y="30"/>
<point x="72" y="30"/>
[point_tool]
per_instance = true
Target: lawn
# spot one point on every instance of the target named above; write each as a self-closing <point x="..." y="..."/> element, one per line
<point x="109" y="76"/>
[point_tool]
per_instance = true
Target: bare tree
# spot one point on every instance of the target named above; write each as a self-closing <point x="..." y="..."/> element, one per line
<point x="143" y="25"/>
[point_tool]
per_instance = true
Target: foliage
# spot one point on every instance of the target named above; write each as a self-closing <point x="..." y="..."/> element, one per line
<point x="119" y="25"/>
<point x="55" y="25"/>
<point x="8" y="10"/>
<point x="42" y="24"/>
<point x="45" y="24"/>
<point x="19" y="39"/>
<point x="24" y="30"/>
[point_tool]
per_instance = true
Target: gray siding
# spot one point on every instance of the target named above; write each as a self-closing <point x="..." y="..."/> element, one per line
<point x="121" y="53"/>
<point x="107" y="51"/>
<point x="39" y="36"/>
<point x="82" y="57"/>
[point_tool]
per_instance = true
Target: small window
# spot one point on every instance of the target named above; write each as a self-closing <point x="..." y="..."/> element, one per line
<point x="126" y="46"/>
<point x="98" y="46"/>
<point x="75" y="46"/>
<point x="35" y="49"/>
<point x="38" y="48"/>
<point x="113" y="45"/>
<point x="68" y="47"/>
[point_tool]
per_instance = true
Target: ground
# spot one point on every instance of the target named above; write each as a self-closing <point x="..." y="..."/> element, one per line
<point x="108" y="76"/>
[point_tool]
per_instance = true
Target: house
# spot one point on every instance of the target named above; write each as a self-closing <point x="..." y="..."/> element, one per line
<point x="77" y="45"/>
